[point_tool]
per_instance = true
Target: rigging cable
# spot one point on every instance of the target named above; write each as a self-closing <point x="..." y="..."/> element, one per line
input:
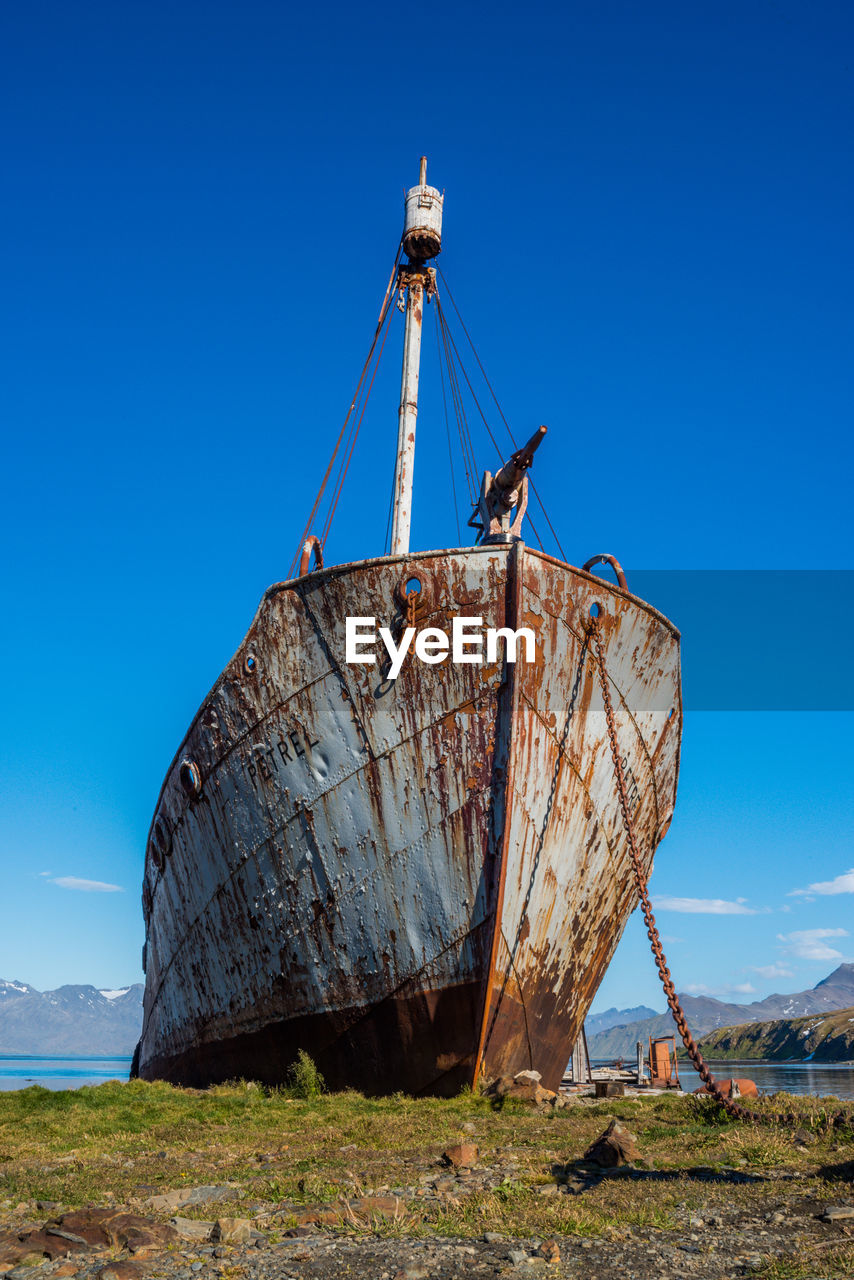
<point x="342" y="459"/>
<point x="387" y="540"/>
<point x="383" y="313"/>
<point x="346" y="464"/>
<point x="462" y="424"/>
<point x="465" y="434"/>
<point x="459" y="396"/>
<point x="495" y="444"/>
<point x="486" y="424"/>
<point x="445" y="285"/>
<point x="448" y="431"/>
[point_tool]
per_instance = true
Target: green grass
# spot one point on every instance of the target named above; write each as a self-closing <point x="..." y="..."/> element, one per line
<point x="129" y="1141"/>
<point x="305" y="1079"/>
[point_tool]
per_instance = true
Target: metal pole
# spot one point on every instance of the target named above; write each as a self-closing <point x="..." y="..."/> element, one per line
<point x="407" y="414"/>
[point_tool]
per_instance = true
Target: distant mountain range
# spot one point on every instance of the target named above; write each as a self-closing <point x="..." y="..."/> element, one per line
<point x="816" y="1038"/>
<point x="72" y="1021"/>
<point x="705" y="1014"/>
<point x="83" y="1021"/>
<point x="597" y="1022"/>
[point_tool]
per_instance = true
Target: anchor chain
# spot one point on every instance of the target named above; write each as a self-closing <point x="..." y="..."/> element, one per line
<point x="732" y="1108"/>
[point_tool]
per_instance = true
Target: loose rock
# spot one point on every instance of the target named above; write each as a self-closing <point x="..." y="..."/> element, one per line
<point x="461" y="1156"/>
<point x="195" y="1195"/>
<point x="521" y="1087"/>
<point x="615" y="1147"/>
<point x="192" y="1228"/>
<point x="837" y="1213"/>
<point x="232" y="1230"/>
<point x="549" y="1250"/>
<point x="120" y="1271"/>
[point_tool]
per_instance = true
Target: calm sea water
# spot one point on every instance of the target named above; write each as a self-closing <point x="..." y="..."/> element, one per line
<point x="827" y="1079"/>
<point x="19" y="1072"/>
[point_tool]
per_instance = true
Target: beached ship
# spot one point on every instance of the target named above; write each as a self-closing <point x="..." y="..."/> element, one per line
<point x="420" y="881"/>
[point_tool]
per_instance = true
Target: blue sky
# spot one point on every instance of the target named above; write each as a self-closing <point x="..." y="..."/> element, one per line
<point x="647" y="229"/>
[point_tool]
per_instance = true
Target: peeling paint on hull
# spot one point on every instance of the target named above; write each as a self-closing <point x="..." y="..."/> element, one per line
<point x="419" y="880"/>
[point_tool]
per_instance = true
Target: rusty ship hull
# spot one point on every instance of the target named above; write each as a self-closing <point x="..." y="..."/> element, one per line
<point x="420" y="882"/>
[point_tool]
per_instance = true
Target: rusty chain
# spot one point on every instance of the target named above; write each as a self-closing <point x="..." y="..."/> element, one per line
<point x="732" y="1108"/>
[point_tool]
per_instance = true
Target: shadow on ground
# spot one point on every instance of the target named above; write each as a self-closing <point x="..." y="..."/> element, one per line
<point x="581" y="1175"/>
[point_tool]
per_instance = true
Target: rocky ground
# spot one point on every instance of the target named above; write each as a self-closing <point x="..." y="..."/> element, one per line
<point x="788" y="1230"/>
<point x="640" y="1203"/>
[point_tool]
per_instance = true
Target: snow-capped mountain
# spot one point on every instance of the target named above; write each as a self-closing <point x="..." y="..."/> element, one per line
<point x="73" y="1020"/>
<point x="13" y="989"/>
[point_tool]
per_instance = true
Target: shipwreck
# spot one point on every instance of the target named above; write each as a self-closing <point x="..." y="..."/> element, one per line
<point x="419" y="880"/>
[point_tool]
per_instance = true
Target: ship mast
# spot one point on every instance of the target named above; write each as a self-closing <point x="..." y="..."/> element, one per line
<point x="422" y="240"/>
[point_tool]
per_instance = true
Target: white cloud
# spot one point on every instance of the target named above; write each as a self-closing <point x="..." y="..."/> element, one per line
<point x="705" y="906"/>
<point x="86" y="886"/>
<point x="670" y="937"/>
<point x="724" y="989"/>
<point x="809" y="944"/>
<point x="772" y="971"/>
<point x="45" y="873"/>
<point x="842" y="884"/>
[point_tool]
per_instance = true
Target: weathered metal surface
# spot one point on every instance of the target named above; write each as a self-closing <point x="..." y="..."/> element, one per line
<point x="407" y="414"/>
<point x="422" y="219"/>
<point x="661" y="1065"/>
<point x="510" y="476"/>
<point x="613" y="562"/>
<point x="311" y="547"/>
<point x="567" y="886"/>
<point x="411" y="879"/>
<point x="335" y="862"/>
<point x="504" y="493"/>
